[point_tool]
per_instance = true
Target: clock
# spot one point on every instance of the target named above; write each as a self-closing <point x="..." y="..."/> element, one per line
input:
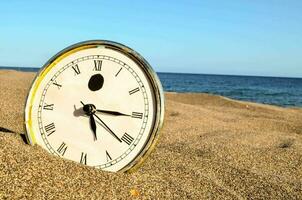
<point x="98" y="103"/>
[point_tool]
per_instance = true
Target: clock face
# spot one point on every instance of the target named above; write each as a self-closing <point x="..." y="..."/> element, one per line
<point x="97" y="103"/>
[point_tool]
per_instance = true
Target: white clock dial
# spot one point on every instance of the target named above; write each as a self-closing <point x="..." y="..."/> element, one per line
<point x="97" y="103"/>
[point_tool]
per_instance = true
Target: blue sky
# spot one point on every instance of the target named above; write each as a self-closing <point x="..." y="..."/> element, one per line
<point x="218" y="37"/>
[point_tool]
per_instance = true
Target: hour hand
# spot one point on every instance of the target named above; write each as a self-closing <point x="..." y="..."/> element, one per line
<point x="112" y="112"/>
<point x="89" y="110"/>
<point x="92" y="125"/>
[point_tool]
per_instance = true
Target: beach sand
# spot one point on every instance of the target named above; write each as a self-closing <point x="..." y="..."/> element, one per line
<point x="211" y="147"/>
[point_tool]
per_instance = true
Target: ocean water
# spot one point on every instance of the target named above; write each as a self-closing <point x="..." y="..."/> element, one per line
<point x="23" y="69"/>
<point x="286" y="92"/>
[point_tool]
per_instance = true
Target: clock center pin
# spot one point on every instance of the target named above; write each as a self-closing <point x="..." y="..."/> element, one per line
<point x="89" y="109"/>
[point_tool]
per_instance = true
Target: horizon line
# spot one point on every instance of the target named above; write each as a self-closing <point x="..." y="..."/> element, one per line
<point x="198" y="73"/>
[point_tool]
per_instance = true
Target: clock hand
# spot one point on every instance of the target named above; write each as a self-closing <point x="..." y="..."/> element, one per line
<point x="90" y="109"/>
<point x="112" y="112"/>
<point x="112" y="133"/>
<point x="93" y="126"/>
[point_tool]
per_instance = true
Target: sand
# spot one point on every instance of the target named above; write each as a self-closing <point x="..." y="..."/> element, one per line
<point x="211" y="147"/>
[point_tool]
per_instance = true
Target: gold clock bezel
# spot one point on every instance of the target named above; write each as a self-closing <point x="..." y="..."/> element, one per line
<point x="133" y="55"/>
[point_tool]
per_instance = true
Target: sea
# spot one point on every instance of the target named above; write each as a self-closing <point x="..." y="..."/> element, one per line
<point x="280" y="91"/>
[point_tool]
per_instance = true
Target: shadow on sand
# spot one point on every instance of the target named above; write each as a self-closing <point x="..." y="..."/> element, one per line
<point x="5" y="130"/>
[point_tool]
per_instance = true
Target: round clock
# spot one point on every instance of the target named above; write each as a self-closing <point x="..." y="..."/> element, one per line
<point x="98" y="103"/>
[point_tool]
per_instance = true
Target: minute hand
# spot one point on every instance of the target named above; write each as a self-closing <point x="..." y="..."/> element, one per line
<point x="112" y="133"/>
<point x="112" y="112"/>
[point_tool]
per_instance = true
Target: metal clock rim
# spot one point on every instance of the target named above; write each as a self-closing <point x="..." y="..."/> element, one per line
<point x="145" y="66"/>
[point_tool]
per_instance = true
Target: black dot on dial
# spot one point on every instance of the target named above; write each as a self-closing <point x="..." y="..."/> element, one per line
<point x="96" y="82"/>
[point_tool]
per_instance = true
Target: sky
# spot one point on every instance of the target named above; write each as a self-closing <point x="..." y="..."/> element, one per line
<point x="241" y="37"/>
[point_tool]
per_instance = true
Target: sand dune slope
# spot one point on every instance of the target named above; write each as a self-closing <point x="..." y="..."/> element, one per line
<point x="211" y="148"/>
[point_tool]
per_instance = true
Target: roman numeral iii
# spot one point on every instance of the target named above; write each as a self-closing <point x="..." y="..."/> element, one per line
<point x="137" y="115"/>
<point x="98" y="65"/>
<point x="127" y="139"/>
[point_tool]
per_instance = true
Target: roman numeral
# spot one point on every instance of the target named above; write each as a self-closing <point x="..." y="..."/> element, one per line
<point x="118" y="72"/>
<point x="133" y="91"/>
<point x="50" y="129"/>
<point x="127" y="138"/>
<point x="137" y="115"/>
<point x="98" y="65"/>
<point x="108" y="157"/>
<point x="83" y="159"/>
<point x="48" y="106"/>
<point x="62" y="149"/>
<point x="76" y="69"/>
<point x="55" y="83"/>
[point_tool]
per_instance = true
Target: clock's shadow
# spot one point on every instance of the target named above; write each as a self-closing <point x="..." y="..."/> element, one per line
<point x="78" y="112"/>
<point x="5" y="130"/>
